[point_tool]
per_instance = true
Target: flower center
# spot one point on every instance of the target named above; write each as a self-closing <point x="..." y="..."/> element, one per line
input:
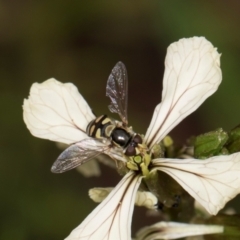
<point x="141" y="160"/>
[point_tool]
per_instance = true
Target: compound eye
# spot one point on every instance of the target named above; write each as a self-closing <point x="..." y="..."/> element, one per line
<point x="137" y="139"/>
<point x="130" y="151"/>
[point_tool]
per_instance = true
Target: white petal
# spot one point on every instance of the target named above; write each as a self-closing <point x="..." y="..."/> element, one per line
<point x="112" y="218"/>
<point x="192" y="74"/>
<point x="56" y="111"/>
<point x="174" y="230"/>
<point x="143" y="198"/>
<point x="212" y="182"/>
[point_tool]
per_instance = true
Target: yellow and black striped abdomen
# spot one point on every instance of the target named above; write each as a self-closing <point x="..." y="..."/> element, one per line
<point x="101" y="127"/>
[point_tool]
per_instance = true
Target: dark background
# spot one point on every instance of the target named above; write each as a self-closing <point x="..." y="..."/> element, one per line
<point x="80" y="42"/>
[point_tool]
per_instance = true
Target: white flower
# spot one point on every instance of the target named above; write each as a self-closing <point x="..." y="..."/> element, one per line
<point x="212" y="182"/>
<point x="174" y="230"/>
<point x="58" y="112"/>
<point x="112" y="218"/>
<point x="192" y="74"/>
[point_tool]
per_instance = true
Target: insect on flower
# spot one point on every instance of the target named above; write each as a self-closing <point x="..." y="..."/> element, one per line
<point x="108" y="135"/>
<point x="57" y="112"/>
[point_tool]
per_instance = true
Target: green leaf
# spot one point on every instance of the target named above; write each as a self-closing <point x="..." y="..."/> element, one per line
<point x="210" y="144"/>
<point x="233" y="143"/>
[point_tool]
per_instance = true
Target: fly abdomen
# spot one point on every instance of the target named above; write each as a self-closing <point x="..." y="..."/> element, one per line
<point x="101" y="127"/>
<point x="104" y="127"/>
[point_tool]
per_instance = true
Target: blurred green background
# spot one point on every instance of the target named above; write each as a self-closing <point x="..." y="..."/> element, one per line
<point x="80" y="42"/>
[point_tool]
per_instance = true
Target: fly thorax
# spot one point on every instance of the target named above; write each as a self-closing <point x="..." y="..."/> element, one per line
<point x="121" y="137"/>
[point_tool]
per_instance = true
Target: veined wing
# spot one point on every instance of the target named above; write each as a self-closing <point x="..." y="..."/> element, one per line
<point x="83" y="151"/>
<point x="79" y="153"/>
<point x="117" y="91"/>
<point x="192" y="74"/>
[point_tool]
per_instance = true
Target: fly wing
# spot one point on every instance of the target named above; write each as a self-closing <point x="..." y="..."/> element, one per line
<point x="117" y="91"/>
<point x="78" y="153"/>
<point x="192" y="74"/>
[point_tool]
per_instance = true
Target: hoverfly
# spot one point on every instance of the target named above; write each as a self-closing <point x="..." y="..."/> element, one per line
<point x="106" y="135"/>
